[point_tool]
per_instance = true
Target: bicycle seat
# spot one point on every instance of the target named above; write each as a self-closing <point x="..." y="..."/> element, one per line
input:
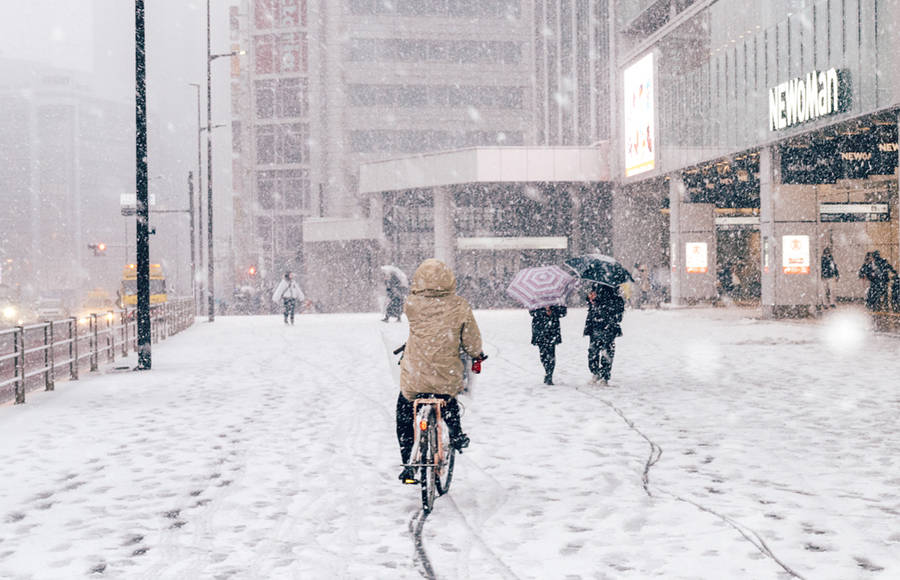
<point x="433" y="396"/>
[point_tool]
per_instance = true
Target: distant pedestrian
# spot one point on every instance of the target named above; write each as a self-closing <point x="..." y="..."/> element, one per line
<point x="726" y="281"/>
<point x="396" y="293"/>
<point x="830" y="277"/>
<point x="878" y="272"/>
<point x="288" y="293"/>
<point x="545" y="334"/>
<point x="642" y="285"/>
<point x="605" y="308"/>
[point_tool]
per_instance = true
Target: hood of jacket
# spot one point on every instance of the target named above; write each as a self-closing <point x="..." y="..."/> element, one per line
<point x="433" y="278"/>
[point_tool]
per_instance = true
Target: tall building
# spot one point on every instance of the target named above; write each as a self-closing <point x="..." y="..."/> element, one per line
<point x="767" y="131"/>
<point x="571" y="71"/>
<point x="334" y="84"/>
<point x="64" y="161"/>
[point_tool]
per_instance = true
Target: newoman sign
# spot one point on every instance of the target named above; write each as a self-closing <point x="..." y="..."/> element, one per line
<point x="803" y="99"/>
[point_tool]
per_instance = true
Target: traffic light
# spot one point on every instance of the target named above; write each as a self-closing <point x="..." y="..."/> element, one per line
<point x="251" y="271"/>
<point x="99" y="248"/>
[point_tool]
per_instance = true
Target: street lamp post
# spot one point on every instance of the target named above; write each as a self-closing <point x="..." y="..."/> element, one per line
<point x="209" y="190"/>
<point x="193" y="247"/>
<point x="142" y="193"/>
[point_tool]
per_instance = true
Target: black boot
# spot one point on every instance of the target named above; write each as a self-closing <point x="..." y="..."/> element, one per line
<point x="408" y="475"/>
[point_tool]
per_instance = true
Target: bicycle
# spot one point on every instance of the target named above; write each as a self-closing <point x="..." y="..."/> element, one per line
<point x="432" y="455"/>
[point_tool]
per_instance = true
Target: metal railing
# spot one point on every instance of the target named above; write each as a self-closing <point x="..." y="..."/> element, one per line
<point x="33" y="356"/>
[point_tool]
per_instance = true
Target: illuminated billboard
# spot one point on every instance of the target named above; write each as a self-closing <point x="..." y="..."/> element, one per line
<point x="638" y="112"/>
<point x="696" y="259"/>
<point x="795" y="254"/>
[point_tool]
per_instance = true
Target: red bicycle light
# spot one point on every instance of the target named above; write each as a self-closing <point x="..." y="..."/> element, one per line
<point x="423" y="425"/>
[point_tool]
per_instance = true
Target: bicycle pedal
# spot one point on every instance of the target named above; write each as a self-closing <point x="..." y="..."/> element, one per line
<point x="410" y="481"/>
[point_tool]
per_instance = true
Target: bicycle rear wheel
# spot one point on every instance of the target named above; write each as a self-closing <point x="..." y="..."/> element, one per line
<point x="428" y="445"/>
<point x="444" y="467"/>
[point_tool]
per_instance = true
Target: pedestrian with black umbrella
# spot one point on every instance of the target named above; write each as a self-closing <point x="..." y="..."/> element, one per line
<point x="605" y="308"/>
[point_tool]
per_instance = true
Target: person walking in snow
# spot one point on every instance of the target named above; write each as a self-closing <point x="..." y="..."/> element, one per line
<point x="288" y="293"/>
<point x="545" y="334"/>
<point x="830" y="276"/>
<point x="440" y="322"/>
<point x="878" y="272"/>
<point x="395" y="293"/>
<point x="605" y="308"/>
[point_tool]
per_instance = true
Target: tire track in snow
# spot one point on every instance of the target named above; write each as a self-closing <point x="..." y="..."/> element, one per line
<point x="655" y="453"/>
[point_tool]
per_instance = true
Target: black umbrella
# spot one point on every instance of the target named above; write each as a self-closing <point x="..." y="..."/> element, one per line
<point x="599" y="268"/>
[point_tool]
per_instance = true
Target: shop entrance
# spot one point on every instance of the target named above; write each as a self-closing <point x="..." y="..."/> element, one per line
<point x="483" y="275"/>
<point x="738" y="263"/>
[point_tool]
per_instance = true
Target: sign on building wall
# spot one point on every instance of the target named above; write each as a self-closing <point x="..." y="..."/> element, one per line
<point x="638" y="112"/>
<point x="795" y="254"/>
<point x="695" y="258"/>
<point x="807" y="98"/>
<point x="854" y="212"/>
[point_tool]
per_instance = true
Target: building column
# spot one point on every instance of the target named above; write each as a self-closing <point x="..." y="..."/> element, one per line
<point x="769" y="179"/>
<point x="576" y="235"/>
<point x="444" y="232"/>
<point x="676" y="198"/>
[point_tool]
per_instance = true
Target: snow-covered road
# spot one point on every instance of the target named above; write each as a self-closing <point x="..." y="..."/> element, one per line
<point x="255" y="450"/>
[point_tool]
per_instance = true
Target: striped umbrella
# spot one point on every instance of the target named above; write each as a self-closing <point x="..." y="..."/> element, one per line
<point x="541" y="286"/>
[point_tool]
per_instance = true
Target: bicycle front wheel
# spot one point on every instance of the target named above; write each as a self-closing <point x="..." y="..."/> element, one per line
<point x="444" y="467"/>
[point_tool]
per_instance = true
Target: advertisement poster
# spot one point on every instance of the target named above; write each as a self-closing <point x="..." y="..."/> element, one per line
<point x="795" y="254"/>
<point x="695" y="258"/>
<point x="640" y="138"/>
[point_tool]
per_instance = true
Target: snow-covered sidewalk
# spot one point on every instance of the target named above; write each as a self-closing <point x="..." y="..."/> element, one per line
<point x="257" y="450"/>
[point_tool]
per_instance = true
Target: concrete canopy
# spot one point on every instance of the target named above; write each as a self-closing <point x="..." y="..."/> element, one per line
<point x="486" y="165"/>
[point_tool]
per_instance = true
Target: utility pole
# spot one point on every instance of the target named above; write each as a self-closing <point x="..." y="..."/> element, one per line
<point x="211" y="271"/>
<point x="142" y="202"/>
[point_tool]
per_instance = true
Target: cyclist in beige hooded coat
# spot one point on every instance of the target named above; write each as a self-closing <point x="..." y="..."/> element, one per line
<point x="440" y="323"/>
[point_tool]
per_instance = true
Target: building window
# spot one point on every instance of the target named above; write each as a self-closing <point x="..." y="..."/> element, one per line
<point x="265" y="99"/>
<point x="437" y="51"/>
<point x="282" y="98"/>
<point x="435" y="96"/>
<point x="277" y="144"/>
<point x="283" y="190"/>
<point x="265" y="144"/>
<point x="446" y="8"/>
<point x="280" y="14"/>
<point x="280" y="53"/>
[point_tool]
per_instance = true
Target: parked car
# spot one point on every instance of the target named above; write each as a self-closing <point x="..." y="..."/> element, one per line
<point x="50" y="308"/>
<point x="12" y="311"/>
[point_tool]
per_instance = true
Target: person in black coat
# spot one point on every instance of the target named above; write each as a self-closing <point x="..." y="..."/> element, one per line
<point x="545" y="335"/>
<point x="605" y="308"/>
<point x="878" y="272"/>
<point x="395" y="295"/>
<point x="830" y="275"/>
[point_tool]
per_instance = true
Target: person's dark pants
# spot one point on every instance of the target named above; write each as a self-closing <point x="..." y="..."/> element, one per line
<point x="548" y="357"/>
<point x="876" y="297"/>
<point x="394" y="308"/>
<point x="405" y="433"/>
<point x="289" y="305"/>
<point x="601" y="352"/>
